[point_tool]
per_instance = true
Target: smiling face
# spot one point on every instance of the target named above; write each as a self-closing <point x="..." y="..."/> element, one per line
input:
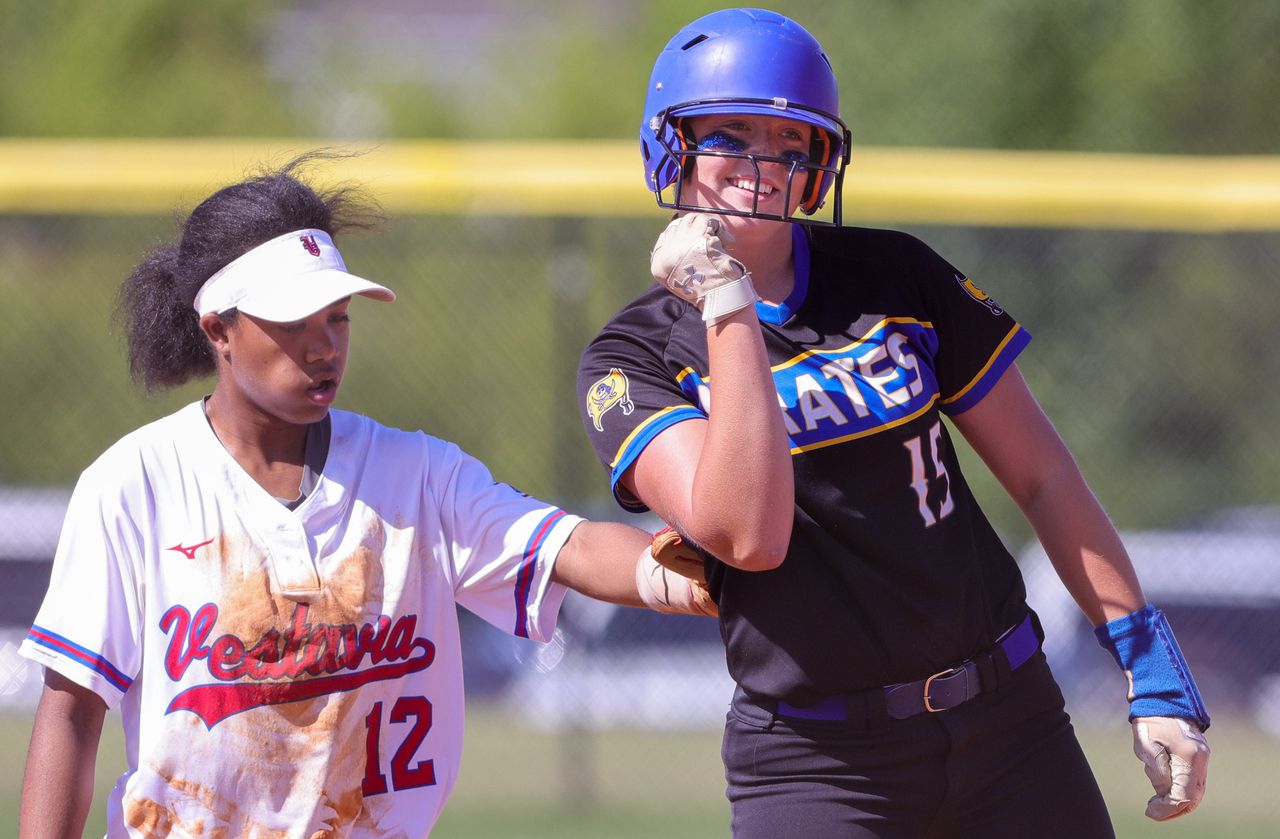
<point x="283" y="372"/>
<point x="732" y="183"/>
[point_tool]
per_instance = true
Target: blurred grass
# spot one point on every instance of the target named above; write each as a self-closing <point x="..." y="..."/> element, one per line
<point x="519" y="782"/>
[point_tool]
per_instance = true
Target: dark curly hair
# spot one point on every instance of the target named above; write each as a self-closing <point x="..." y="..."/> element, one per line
<point x="166" y="346"/>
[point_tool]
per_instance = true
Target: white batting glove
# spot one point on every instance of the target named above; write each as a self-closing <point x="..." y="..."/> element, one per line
<point x="1176" y="757"/>
<point x="689" y="260"/>
<point x="664" y="590"/>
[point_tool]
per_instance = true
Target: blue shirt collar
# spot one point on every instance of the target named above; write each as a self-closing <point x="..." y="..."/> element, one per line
<point x="782" y="312"/>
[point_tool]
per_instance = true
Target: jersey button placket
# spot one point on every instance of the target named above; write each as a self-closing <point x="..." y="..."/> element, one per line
<point x="291" y="561"/>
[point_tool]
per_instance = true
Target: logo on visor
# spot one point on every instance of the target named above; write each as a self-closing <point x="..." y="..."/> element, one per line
<point x="309" y="242"/>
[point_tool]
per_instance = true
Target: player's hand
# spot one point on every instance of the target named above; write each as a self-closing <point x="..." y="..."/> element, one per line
<point x="671" y="577"/>
<point x="1176" y="757"/>
<point x="690" y="261"/>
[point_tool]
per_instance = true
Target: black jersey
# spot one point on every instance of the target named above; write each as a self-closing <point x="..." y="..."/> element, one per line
<point x="893" y="572"/>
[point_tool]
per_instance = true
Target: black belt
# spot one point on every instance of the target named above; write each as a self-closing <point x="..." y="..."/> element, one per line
<point x="943" y="690"/>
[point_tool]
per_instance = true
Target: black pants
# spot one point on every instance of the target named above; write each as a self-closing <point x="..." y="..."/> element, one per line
<point x="1006" y="764"/>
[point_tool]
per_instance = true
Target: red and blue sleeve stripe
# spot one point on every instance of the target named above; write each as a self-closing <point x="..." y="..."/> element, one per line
<point x="528" y="565"/>
<point x="70" y="649"/>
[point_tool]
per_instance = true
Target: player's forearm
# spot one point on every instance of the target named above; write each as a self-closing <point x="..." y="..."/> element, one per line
<point x="743" y="497"/>
<point x="1084" y="547"/>
<point x="57" y="787"/>
<point x="599" y="560"/>
<point x="1016" y="440"/>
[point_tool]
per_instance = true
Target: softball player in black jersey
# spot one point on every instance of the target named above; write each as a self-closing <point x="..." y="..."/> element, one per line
<point x="778" y="398"/>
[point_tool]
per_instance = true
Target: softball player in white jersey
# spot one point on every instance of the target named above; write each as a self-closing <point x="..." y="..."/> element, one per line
<point x="266" y="587"/>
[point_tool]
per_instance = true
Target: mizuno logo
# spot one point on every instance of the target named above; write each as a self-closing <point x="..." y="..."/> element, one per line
<point x="189" y="552"/>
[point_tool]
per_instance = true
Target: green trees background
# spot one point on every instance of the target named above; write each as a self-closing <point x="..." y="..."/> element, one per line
<point x="1167" y="76"/>
<point x="1153" y="351"/>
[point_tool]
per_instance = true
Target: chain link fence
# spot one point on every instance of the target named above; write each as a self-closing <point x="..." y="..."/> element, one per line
<point x="1153" y="352"/>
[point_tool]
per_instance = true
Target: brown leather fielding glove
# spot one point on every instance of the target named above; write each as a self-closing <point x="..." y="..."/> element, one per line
<point x="672" y="578"/>
<point x="670" y="550"/>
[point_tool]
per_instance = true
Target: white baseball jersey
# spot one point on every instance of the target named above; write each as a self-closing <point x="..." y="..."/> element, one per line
<point x="288" y="673"/>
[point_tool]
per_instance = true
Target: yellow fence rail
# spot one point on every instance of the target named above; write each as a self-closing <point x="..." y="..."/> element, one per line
<point x="604" y="178"/>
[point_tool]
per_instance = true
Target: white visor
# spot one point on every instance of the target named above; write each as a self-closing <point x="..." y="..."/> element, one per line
<point x="285" y="280"/>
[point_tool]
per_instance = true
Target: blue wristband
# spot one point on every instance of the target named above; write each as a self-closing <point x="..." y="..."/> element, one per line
<point x="1161" y="685"/>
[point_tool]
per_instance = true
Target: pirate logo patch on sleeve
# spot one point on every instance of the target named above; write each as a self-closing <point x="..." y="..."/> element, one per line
<point x="606" y="393"/>
<point x="978" y="294"/>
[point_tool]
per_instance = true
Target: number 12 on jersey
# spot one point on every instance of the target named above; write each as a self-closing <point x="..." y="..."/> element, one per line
<point x="920" y="481"/>
<point x="403" y="776"/>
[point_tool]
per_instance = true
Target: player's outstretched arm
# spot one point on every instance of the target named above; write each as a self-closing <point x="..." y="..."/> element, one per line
<point x="1016" y="440"/>
<point x="599" y="560"/>
<point x="615" y="563"/>
<point x="57" y="788"/>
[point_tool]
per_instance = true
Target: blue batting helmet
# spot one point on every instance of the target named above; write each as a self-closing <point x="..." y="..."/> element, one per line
<point x="743" y="61"/>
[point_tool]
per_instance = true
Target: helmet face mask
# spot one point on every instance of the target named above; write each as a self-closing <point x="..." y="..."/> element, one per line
<point x="808" y="175"/>
<point x="714" y="66"/>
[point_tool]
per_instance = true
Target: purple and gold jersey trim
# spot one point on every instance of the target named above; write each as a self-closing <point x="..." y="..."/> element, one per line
<point x="73" y="651"/>
<point x="866" y="432"/>
<point x="885" y="379"/>
<point x="525" y="576"/>
<point x="882" y="380"/>
<point x="971" y="394"/>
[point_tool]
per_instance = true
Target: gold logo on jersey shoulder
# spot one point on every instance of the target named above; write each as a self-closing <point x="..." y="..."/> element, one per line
<point x="978" y="294"/>
<point x="606" y="393"/>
